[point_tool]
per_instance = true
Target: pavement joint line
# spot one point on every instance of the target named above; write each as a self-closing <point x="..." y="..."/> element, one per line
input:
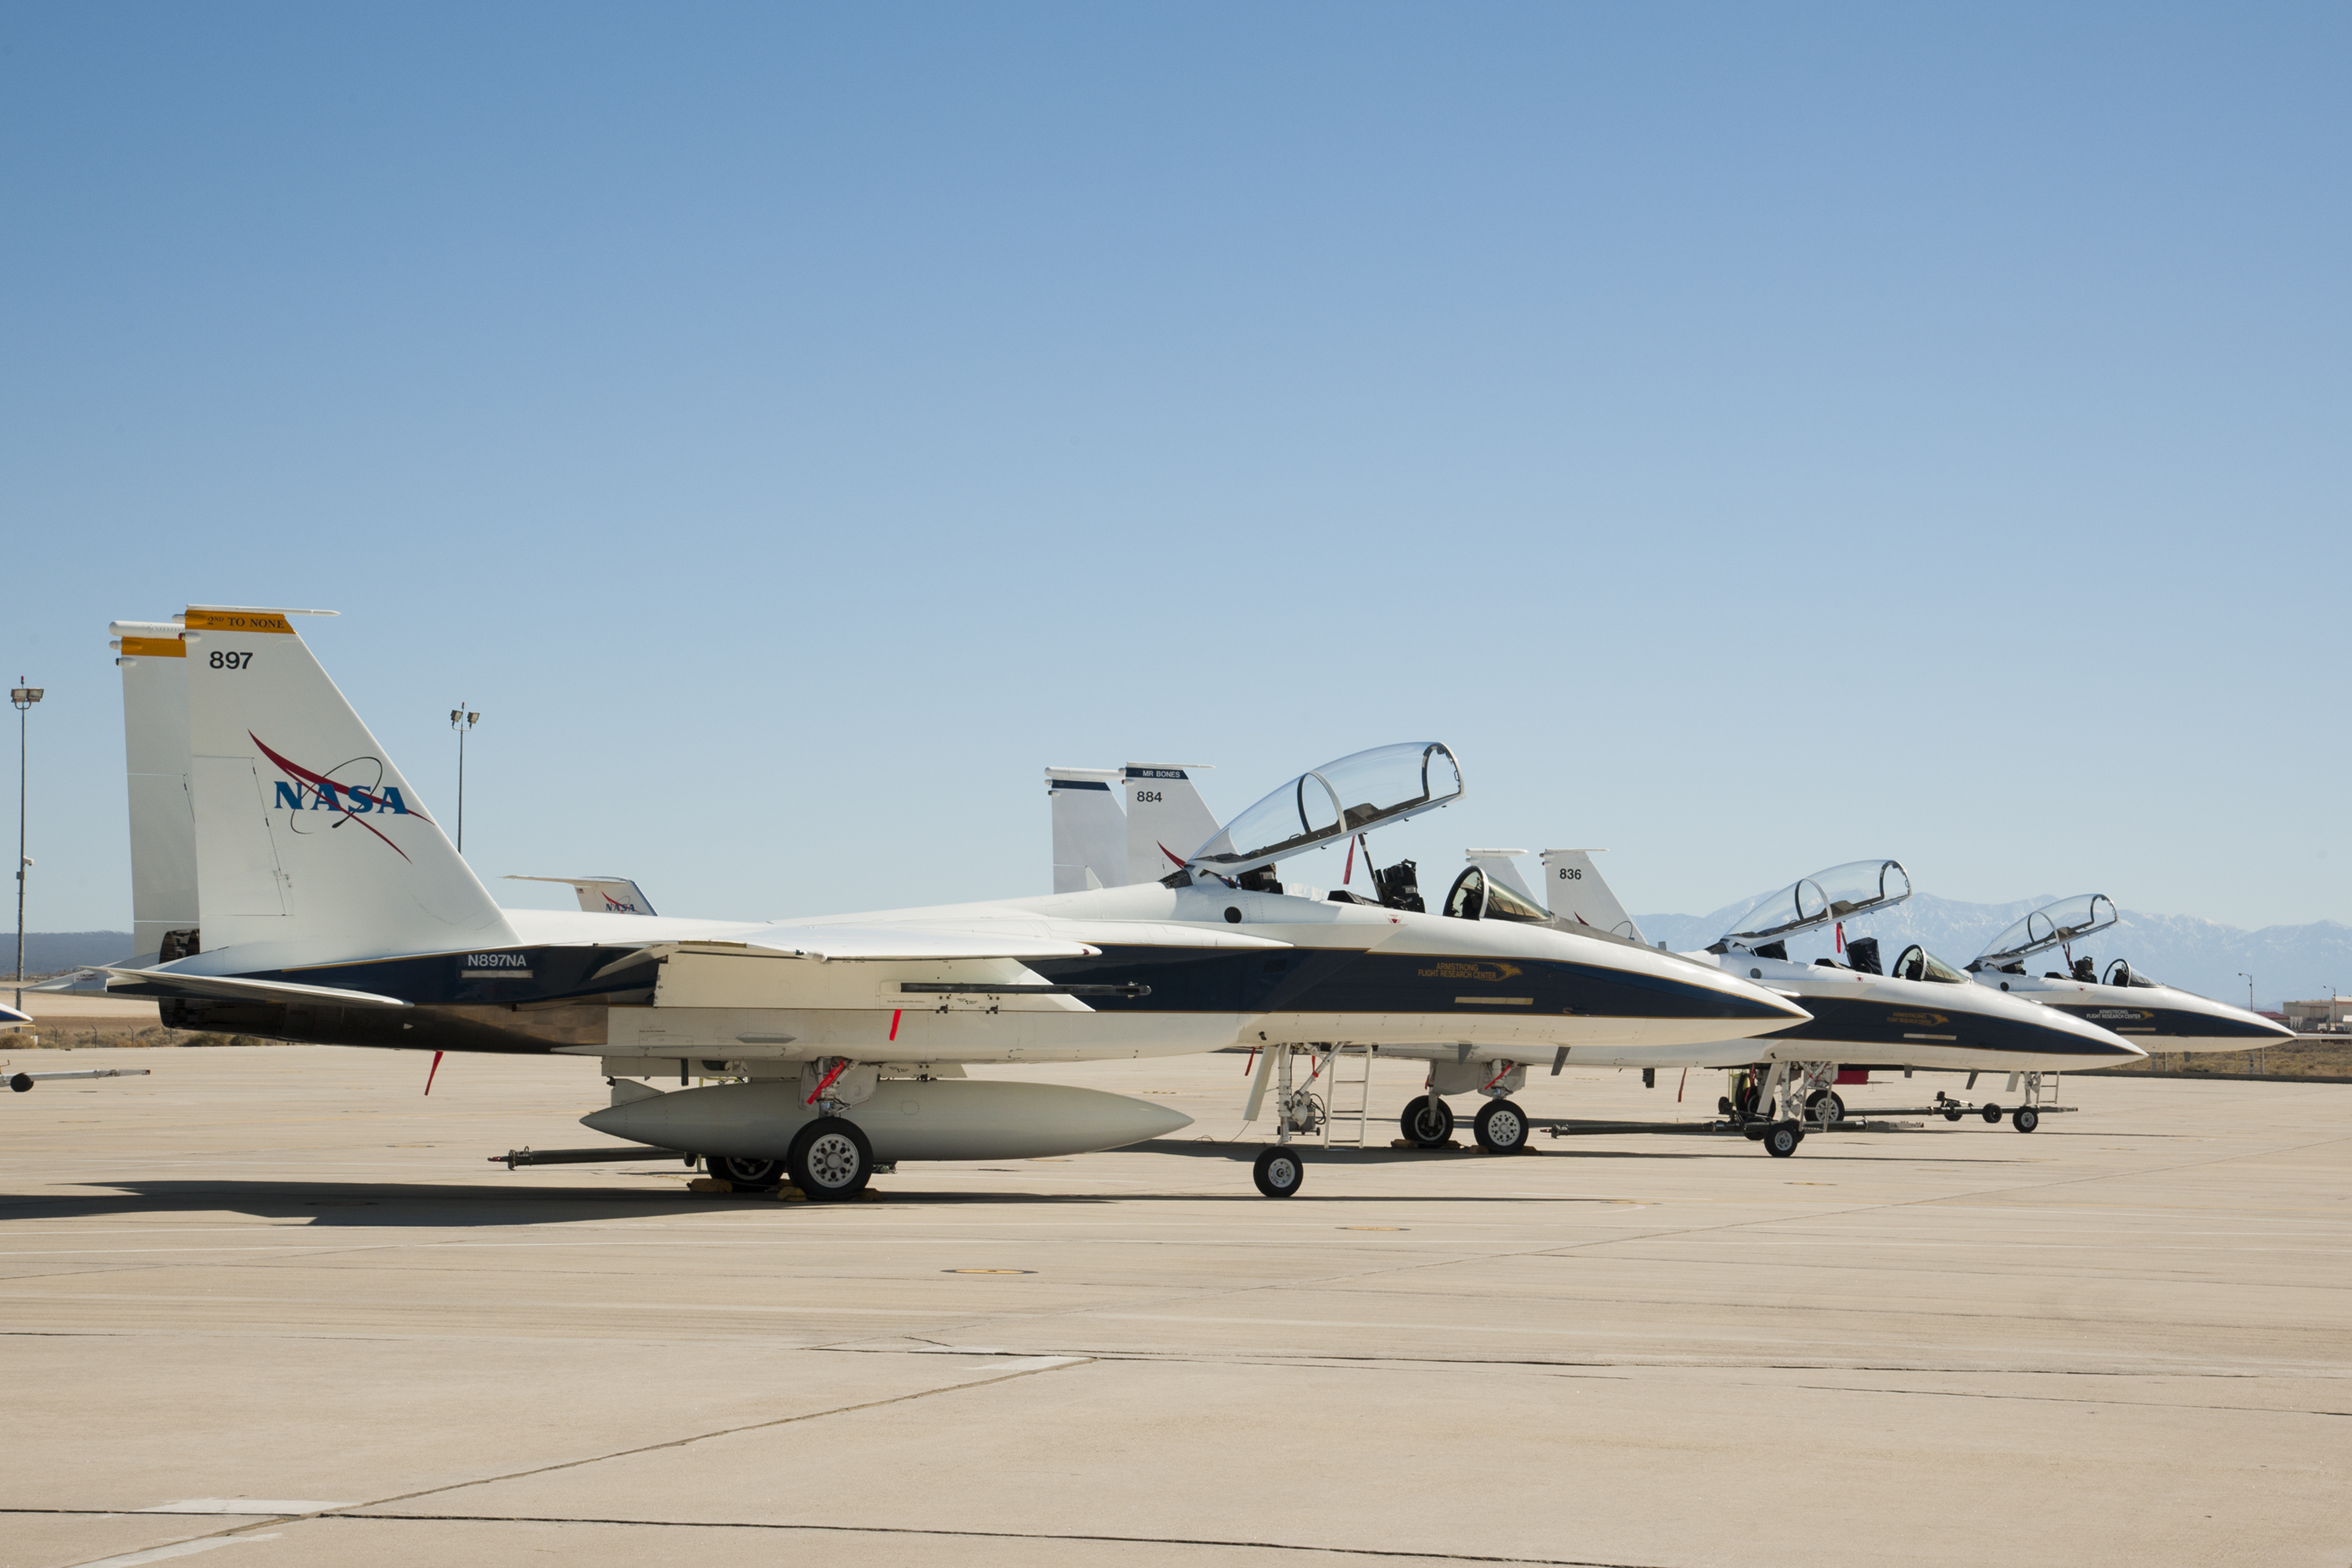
<point x="1058" y="1363"/>
<point x="1225" y="1544"/>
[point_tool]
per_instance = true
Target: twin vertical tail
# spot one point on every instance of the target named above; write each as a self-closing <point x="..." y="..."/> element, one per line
<point x="155" y="748"/>
<point x="309" y="838"/>
<point x="1575" y="893"/>
<point x="1116" y="826"/>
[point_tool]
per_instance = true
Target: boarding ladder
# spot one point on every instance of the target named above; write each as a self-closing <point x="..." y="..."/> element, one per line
<point x="1348" y="1095"/>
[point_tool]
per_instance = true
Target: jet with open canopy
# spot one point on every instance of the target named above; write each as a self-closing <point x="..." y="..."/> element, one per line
<point x="1841" y="892"/>
<point x="2152" y="1015"/>
<point x="1326" y="805"/>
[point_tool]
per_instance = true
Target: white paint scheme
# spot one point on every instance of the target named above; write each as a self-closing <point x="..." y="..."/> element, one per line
<point x="296" y="885"/>
<point x="2156" y="1018"/>
<point x="2154" y="1015"/>
<point x="601" y="894"/>
<point x="1116" y="826"/>
<point x="1167" y="820"/>
<point x="905" y="1118"/>
<point x="1089" y="829"/>
<point x="1575" y="890"/>
<point x="155" y="748"/>
<point x="306" y="866"/>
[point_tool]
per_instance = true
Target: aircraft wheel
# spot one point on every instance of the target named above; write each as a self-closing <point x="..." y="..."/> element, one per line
<point x="22" y="1083"/>
<point x="1951" y="1113"/>
<point x="1428" y="1121"/>
<point x="1825" y="1107"/>
<point x="746" y="1174"/>
<point x="2025" y="1118"/>
<point x="1502" y="1128"/>
<point x="1278" y="1171"/>
<point x="1781" y="1140"/>
<point x="830" y="1159"/>
<point x="1992" y="1113"/>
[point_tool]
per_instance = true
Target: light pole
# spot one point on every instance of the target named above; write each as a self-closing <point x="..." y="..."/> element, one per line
<point x="23" y="698"/>
<point x="463" y="723"/>
<point x="2254" y="1058"/>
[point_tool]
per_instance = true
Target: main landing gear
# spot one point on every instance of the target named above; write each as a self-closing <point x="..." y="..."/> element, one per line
<point x="1428" y="1121"/>
<point x="1502" y="1127"/>
<point x="830" y="1159"/>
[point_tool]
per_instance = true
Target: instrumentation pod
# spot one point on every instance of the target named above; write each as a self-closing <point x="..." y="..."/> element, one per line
<point x="2152" y="1015"/>
<point x="902" y="1118"/>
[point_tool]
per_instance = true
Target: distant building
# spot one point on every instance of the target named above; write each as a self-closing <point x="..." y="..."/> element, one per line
<point x="2327" y="1012"/>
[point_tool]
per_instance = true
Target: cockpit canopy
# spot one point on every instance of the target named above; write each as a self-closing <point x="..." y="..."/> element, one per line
<point x="1327" y="804"/>
<point x="1475" y="895"/>
<point x="2068" y="920"/>
<point x="1840" y="893"/>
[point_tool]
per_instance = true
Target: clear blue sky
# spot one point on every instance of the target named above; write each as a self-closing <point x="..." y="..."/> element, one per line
<point x="1754" y="437"/>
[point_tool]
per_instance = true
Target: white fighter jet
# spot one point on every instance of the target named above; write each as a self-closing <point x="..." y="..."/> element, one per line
<point x="1920" y="1014"/>
<point x="332" y="907"/>
<point x="2150" y="1014"/>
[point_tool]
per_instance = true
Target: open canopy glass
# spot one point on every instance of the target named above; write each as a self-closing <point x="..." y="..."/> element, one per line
<point x="2068" y="920"/>
<point x="1840" y="893"/>
<point x="1324" y="805"/>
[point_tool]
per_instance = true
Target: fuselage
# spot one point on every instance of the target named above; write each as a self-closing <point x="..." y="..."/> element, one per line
<point x="2154" y="1018"/>
<point x="1201" y="967"/>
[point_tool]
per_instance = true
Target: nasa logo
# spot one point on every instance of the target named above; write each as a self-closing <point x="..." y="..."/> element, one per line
<point x="304" y="790"/>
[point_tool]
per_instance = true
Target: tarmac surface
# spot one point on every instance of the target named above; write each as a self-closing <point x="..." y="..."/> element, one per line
<point x="274" y="1300"/>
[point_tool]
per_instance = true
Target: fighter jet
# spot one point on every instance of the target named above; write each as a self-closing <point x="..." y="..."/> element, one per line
<point x="2150" y="1014"/>
<point x="334" y="909"/>
<point x="1920" y="1014"/>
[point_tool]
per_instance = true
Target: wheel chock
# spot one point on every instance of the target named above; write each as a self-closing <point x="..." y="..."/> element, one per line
<point x="710" y="1183"/>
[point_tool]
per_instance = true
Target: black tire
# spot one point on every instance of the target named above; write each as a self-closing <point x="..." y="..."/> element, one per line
<point x="1279" y="1172"/>
<point x="2025" y="1118"/>
<point x="1781" y="1139"/>
<point x="1824" y="1107"/>
<point x="1951" y="1113"/>
<point x="746" y="1174"/>
<point x="1501" y="1128"/>
<point x="1992" y="1113"/>
<point x="22" y="1083"/>
<point x="830" y="1159"/>
<point x="1428" y="1121"/>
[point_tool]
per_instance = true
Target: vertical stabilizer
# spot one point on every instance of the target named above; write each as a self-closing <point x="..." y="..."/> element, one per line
<point x="1167" y="820"/>
<point x="1580" y="897"/>
<point x="155" y="749"/>
<point x="1502" y="866"/>
<point x="309" y="838"/>
<point x="1089" y="830"/>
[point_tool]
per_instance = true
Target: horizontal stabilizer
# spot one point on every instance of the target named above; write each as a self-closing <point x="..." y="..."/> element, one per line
<point x="601" y="894"/>
<point x="228" y="987"/>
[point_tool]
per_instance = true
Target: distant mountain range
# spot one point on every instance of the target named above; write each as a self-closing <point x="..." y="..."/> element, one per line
<point x="47" y="952"/>
<point x="2200" y="955"/>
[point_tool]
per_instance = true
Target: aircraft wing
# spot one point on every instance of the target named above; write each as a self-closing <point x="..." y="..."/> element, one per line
<point x="865" y="944"/>
<point x="230" y="987"/>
